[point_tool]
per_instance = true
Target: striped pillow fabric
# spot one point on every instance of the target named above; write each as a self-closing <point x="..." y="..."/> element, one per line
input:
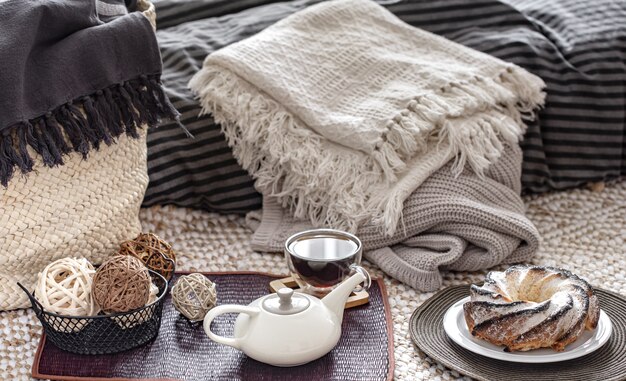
<point x="200" y="172"/>
<point x="175" y="12"/>
<point x="578" y="47"/>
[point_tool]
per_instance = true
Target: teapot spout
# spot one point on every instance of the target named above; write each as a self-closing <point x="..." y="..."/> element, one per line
<point x="336" y="300"/>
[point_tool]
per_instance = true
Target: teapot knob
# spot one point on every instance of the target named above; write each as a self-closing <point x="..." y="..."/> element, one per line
<point x="286" y="302"/>
<point x="285" y="295"/>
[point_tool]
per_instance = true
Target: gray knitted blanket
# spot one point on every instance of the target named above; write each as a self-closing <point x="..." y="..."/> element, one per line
<point x="460" y="223"/>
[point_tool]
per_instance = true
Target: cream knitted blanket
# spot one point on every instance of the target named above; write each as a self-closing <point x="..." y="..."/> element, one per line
<point x="460" y="223"/>
<point x="342" y="110"/>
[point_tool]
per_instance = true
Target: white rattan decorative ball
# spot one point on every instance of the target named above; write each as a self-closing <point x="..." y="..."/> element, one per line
<point x="154" y="292"/>
<point x="193" y="296"/>
<point x="64" y="287"/>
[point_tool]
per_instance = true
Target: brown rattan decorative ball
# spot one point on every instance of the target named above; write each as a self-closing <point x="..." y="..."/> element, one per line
<point x="193" y="296"/>
<point x="154" y="252"/>
<point x="121" y="284"/>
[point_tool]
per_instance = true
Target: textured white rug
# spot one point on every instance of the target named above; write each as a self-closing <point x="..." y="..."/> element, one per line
<point x="582" y="230"/>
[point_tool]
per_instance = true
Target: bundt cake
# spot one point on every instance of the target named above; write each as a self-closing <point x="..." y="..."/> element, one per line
<point x="530" y="307"/>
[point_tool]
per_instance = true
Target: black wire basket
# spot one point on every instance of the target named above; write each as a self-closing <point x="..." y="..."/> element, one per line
<point x="103" y="334"/>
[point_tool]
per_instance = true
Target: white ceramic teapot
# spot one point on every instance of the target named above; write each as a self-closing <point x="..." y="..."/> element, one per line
<point x="287" y="328"/>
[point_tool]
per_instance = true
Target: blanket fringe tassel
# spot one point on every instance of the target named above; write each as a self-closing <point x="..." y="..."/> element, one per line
<point x="83" y="124"/>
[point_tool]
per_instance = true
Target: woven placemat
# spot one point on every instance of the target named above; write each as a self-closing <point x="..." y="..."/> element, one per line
<point x="182" y="351"/>
<point x="606" y="364"/>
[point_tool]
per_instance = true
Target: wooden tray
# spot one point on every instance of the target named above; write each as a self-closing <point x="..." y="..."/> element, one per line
<point x="182" y="350"/>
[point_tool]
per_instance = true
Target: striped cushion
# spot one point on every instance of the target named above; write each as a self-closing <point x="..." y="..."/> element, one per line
<point x="175" y="12"/>
<point x="578" y="47"/>
<point x="199" y="172"/>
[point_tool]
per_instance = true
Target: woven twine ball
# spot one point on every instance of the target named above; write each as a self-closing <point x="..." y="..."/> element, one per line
<point x="121" y="284"/>
<point x="193" y="296"/>
<point x="152" y="251"/>
<point x="134" y="319"/>
<point x="64" y="287"/>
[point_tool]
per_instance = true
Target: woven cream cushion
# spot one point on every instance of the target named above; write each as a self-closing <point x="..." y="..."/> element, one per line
<point x="84" y="208"/>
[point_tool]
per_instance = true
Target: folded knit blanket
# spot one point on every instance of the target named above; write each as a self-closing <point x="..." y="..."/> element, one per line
<point x="71" y="81"/>
<point x="341" y="111"/>
<point x="451" y="222"/>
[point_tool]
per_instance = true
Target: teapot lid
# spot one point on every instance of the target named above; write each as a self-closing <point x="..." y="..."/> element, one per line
<point x="285" y="302"/>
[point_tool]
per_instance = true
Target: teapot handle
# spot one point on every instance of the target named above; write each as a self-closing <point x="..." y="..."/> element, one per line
<point x="225" y="309"/>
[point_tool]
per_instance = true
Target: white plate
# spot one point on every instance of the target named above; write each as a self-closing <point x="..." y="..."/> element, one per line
<point x="456" y="328"/>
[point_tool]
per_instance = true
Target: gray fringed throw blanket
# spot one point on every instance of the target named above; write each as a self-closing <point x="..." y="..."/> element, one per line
<point x="341" y="111"/>
<point x="71" y="81"/>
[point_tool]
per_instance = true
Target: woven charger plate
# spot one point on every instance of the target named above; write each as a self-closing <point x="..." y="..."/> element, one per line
<point x="606" y="364"/>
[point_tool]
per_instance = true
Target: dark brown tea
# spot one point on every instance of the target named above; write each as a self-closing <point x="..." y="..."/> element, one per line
<point x="323" y="261"/>
<point x="322" y="274"/>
